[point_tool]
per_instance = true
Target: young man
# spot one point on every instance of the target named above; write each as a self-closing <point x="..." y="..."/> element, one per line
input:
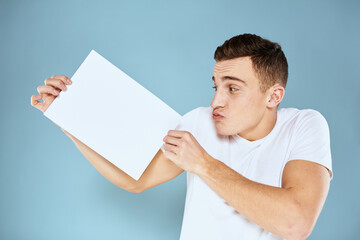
<point x="253" y="171"/>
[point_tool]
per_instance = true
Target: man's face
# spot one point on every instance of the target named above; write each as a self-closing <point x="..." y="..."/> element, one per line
<point x="239" y="101"/>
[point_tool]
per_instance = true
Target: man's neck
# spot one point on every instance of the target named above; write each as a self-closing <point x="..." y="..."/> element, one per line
<point x="265" y="126"/>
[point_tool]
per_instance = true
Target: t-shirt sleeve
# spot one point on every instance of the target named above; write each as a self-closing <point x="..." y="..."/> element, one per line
<point x="312" y="140"/>
<point x="187" y="122"/>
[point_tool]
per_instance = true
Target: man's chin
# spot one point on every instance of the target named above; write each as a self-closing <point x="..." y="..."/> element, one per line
<point x="224" y="132"/>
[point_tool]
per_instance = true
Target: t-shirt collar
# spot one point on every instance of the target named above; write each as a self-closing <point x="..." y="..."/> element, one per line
<point x="242" y="140"/>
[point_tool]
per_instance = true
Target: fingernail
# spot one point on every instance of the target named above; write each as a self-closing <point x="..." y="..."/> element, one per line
<point x="69" y="81"/>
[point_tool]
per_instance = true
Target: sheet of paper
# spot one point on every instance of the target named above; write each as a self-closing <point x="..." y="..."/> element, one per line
<point x="113" y="115"/>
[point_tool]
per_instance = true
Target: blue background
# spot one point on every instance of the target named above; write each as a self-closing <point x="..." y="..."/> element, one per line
<point x="48" y="189"/>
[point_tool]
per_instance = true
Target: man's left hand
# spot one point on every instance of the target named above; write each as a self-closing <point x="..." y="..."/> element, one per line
<point x="183" y="149"/>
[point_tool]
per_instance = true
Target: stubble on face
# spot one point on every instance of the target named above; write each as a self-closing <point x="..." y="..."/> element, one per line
<point x="244" y="108"/>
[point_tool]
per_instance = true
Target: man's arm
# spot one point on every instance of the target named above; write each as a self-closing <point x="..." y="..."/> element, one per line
<point x="290" y="211"/>
<point x="159" y="170"/>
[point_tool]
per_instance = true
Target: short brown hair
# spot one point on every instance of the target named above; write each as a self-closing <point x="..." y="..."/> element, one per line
<point x="268" y="60"/>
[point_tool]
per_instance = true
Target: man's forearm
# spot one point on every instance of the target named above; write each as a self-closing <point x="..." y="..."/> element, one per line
<point x="272" y="208"/>
<point x="106" y="168"/>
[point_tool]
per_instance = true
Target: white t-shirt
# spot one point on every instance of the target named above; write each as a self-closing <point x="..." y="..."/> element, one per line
<point x="297" y="134"/>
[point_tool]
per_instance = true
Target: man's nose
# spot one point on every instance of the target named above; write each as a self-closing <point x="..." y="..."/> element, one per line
<point x="218" y="100"/>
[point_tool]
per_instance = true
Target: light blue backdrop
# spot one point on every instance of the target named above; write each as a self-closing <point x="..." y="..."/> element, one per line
<point x="48" y="190"/>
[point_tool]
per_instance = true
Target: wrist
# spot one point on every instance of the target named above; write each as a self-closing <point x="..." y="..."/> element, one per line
<point x="66" y="133"/>
<point x="205" y="166"/>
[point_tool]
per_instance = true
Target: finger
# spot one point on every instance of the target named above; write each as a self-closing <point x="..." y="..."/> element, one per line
<point x="35" y="101"/>
<point x="172" y="140"/>
<point x="170" y="148"/>
<point x="64" y="78"/>
<point x="48" y="90"/>
<point x="177" y="133"/>
<point x="56" y="83"/>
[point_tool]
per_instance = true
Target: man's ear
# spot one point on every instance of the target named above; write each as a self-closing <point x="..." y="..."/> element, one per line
<point x="275" y="95"/>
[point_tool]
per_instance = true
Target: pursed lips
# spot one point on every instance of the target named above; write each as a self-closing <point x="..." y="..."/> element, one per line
<point x="217" y="114"/>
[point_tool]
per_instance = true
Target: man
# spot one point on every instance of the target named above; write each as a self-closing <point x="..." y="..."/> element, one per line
<point x="253" y="171"/>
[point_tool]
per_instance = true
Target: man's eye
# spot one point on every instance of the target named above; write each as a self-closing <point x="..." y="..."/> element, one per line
<point x="231" y="89"/>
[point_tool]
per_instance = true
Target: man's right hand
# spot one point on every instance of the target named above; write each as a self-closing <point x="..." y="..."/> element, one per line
<point x="48" y="92"/>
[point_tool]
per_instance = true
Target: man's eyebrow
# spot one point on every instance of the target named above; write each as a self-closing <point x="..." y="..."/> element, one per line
<point x="230" y="78"/>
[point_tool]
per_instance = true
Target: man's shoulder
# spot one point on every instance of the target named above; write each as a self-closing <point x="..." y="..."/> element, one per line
<point x="303" y="118"/>
<point x="192" y="117"/>
<point x="300" y="114"/>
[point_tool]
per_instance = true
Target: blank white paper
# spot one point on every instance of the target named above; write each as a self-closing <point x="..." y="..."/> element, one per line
<point x="113" y="115"/>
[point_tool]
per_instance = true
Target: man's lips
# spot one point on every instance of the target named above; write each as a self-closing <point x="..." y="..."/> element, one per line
<point x="217" y="116"/>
